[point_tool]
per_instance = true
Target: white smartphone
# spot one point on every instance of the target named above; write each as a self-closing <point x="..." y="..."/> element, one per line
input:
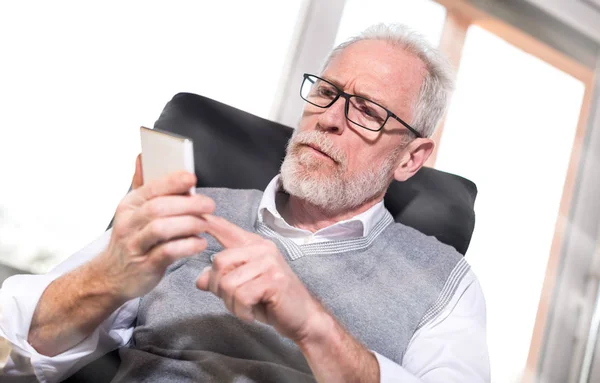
<point x="164" y="153"/>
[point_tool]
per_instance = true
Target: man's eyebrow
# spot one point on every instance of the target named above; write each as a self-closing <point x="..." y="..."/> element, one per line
<point x="333" y="81"/>
<point x="361" y="94"/>
<point x="372" y="98"/>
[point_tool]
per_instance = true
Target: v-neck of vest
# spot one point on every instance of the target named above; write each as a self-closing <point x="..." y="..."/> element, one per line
<point x="296" y="251"/>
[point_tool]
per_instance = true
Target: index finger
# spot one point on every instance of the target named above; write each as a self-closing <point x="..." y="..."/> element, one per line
<point x="228" y="234"/>
<point x="174" y="184"/>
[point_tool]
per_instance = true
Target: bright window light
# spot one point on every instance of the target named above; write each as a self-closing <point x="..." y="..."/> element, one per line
<point x="423" y="16"/>
<point x="79" y="78"/>
<point x="510" y="129"/>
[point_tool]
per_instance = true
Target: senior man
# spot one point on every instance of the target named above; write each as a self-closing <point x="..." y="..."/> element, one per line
<point x="310" y="280"/>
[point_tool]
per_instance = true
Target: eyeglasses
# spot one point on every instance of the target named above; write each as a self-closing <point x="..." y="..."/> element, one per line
<point x="360" y="111"/>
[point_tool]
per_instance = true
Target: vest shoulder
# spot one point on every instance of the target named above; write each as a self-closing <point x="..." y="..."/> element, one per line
<point x="412" y="241"/>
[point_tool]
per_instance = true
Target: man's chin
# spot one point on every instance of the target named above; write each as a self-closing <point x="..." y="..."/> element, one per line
<point x="316" y="166"/>
<point x="314" y="172"/>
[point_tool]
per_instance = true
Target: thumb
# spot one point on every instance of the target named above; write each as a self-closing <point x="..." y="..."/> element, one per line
<point x="138" y="178"/>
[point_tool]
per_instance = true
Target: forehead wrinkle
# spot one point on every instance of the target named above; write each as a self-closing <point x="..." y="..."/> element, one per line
<point x="389" y="59"/>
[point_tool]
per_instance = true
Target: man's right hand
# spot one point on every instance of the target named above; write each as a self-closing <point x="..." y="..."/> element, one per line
<point x="155" y="225"/>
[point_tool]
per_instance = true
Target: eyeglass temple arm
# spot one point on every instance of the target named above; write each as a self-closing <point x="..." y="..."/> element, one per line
<point x="419" y="135"/>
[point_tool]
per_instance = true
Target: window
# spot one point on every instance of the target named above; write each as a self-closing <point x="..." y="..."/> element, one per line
<point x="424" y="16"/>
<point x="78" y="79"/>
<point x="510" y="129"/>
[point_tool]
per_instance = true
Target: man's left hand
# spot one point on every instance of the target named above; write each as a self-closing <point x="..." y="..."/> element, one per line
<point x="256" y="282"/>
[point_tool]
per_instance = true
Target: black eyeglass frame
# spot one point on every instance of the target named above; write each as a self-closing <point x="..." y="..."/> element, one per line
<point x="347" y="106"/>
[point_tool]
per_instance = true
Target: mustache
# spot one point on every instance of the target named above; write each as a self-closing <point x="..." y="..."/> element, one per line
<point x="320" y="140"/>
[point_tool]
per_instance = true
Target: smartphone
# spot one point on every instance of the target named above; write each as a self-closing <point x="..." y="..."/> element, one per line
<point x="164" y="153"/>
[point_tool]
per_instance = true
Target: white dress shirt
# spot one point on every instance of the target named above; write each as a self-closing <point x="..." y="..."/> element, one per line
<point x="450" y="348"/>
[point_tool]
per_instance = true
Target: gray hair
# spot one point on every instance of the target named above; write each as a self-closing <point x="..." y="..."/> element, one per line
<point x="438" y="83"/>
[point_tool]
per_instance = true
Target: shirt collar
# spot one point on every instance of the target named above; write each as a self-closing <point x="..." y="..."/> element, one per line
<point x="357" y="226"/>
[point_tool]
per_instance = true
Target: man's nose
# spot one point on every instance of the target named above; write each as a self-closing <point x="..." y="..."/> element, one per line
<point x="333" y="119"/>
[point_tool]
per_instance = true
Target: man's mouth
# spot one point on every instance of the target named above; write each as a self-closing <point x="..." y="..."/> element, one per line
<point x="319" y="151"/>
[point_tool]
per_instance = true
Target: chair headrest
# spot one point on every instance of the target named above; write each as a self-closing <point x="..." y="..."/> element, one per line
<point x="238" y="150"/>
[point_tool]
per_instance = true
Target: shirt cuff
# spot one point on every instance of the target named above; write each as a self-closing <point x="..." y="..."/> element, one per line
<point x="18" y="303"/>
<point x="24" y="360"/>
<point x="19" y="297"/>
<point x="391" y="372"/>
<point x="102" y="340"/>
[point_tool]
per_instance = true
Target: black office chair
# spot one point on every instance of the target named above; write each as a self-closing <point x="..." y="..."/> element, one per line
<point x="238" y="150"/>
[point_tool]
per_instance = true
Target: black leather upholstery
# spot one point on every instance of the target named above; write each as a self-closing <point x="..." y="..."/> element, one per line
<point x="238" y="150"/>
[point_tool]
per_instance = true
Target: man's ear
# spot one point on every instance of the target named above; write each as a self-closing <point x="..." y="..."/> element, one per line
<point x="413" y="157"/>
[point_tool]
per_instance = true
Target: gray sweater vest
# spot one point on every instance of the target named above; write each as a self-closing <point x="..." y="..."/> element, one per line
<point x="382" y="288"/>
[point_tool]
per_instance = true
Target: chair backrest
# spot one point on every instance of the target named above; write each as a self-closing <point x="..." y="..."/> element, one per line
<point x="236" y="149"/>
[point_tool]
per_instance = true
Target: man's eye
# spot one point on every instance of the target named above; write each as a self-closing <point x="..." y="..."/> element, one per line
<point x="326" y="92"/>
<point x="369" y="112"/>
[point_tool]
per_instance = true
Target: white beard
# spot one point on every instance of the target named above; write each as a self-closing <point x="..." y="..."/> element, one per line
<point x="325" y="183"/>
